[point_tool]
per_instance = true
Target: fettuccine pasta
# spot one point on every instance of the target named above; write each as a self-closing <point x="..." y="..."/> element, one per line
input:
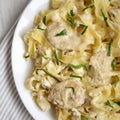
<point x="75" y="46"/>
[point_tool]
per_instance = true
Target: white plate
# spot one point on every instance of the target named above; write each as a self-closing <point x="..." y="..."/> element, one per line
<point x="22" y="68"/>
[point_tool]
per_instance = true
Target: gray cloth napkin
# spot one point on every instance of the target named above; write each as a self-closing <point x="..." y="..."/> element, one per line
<point x="11" y="107"/>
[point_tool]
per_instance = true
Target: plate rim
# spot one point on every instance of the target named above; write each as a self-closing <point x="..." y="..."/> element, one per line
<point x="15" y="31"/>
<point x="12" y="68"/>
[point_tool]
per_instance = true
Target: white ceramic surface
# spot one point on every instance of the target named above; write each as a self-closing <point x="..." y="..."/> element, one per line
<point x="21" y="68"/>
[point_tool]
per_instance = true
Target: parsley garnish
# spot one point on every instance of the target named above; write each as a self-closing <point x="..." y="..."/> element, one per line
<point x="84" y="118"/>
<point x="109" y="47"/>
<point x="105" y="18"/>
<point x="41" y="55"/>
<point x="90" y="6"/>
<point x="78" y="66"/>
<point x="85" y="28"/>
<point x="62" y="33"/>
<point x="75" y="76"/>
<point x="44" y="20"/>
<point x="113" y="64"/>
<point x="71" y="20"/>
<point x="116" y="102"/>
<point x="108" y="104"/>
<point x="71" y="88"/>
<point x="38" y="27"/>
<point x="56" y="57"/>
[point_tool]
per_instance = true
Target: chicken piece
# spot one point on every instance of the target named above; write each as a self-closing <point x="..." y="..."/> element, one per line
<point x="100" y="70"/>
<point x="70" y="41"/>
<point x="68" y="94"/>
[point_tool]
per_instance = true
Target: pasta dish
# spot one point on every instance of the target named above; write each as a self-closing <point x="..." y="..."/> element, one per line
<point x="75" y="49"/>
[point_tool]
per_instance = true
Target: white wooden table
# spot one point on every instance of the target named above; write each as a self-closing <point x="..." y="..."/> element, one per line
<point x="9" y="11"/>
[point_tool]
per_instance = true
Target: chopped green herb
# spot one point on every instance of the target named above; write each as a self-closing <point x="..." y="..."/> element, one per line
<point x="108" y="104"/>
<point x="71" y="13"/>
<point x="71" y="88"/>
<point x="78" y="66"/>
<point x="26" y="56"/>
<point x="105" y="18"/>
<point x="46" y="73"/>
<point x="75" y="76"/>
<point x="36" y="71"/>
<point x="113" y="64"/>
<point x="38" y="27"/>
<point x="44" y="20"/>
<point x="56" y="57"/>
<point x="41" y="55"/>
<point x="116" y="102"/>
<point x="71" y="20"/>
<point x="96" y="116"/>
<point x="49" y="74"/>
<point x="84" y="118"/>
<point x="82" y="25"/>
<point x="90" y="6"/>
<point x="85" y="28"/>
<point x="109" y="47"/>
<point x="62" y="33"/>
